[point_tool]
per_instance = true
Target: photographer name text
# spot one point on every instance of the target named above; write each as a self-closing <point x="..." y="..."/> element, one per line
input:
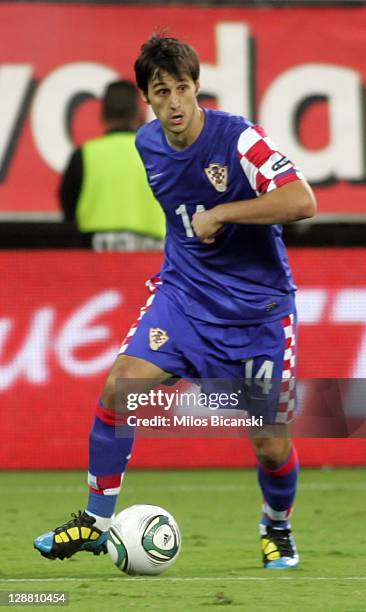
<point x="194" y="421"/>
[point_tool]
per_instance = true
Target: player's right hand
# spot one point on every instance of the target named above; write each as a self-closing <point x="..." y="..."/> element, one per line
<point x="205" y="226"/>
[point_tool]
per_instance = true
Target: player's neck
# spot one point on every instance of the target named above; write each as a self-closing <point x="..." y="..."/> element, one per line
<point x="186" y="139"/>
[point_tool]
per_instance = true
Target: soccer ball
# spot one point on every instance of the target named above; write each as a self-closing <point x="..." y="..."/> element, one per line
<point x="144" y="540"/>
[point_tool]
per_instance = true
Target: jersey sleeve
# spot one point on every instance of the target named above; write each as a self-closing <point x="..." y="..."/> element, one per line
<point x="262" y="163"/>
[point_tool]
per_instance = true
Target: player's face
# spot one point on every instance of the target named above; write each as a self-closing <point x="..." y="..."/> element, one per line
<point x="174" y="102"/>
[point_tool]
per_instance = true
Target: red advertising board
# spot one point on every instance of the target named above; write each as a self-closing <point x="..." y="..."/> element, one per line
<point x="64" y="313"/>
<point x="304" y="82"/>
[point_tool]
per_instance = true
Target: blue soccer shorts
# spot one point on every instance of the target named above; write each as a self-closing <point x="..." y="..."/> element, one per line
<point x="262" y="356"/>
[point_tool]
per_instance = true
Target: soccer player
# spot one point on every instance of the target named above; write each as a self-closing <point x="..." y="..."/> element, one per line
<point x="223" y="304"/>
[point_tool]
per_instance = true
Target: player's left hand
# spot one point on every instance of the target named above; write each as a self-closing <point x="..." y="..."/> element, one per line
<point x="206" y="226"/>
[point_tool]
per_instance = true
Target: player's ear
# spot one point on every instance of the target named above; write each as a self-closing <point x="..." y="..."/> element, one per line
<point x="144" y="97"/>
<point x="197" y="86"/>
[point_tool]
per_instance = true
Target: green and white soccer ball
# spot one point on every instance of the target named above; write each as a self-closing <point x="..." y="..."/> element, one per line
<point x="144" y="540"/>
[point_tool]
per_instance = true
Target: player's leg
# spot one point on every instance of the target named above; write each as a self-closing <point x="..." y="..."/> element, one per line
<point x="110" y="446"/>
<point x="278" y="468"/>
<point x="278" y="463"/>
<point x="150" y="353"/>
<point x="264" y="355"/>
<point x="111" y="438"/>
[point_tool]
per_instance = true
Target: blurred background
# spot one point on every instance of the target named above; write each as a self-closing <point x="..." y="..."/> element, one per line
<point x="67" y="297"/>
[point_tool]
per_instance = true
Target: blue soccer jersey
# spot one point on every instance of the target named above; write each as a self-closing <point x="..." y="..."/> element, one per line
<point x="244" y="276"/>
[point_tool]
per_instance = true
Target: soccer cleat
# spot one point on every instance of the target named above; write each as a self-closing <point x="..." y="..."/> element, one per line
<point x="278" y="548"/>
<point x="74" y="536"/>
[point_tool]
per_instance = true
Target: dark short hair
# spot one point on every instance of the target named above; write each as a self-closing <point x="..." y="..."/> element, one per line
<point x="165" y="54"/>
<point x="120" y="101"/>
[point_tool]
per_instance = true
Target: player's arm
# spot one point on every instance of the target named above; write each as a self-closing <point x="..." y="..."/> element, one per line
<point x="284" y="194"/>
<point x="291" y="202"/>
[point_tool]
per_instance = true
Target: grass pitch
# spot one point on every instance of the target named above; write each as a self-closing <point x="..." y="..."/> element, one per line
<point x="219" y="565"/>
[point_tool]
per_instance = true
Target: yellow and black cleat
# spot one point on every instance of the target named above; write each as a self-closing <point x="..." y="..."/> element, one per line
<point x="76" y="535"/>
<point x="278" y="548"/>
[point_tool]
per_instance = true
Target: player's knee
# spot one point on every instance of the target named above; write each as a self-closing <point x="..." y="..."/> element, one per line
<point x="272" y="452"/>
<point x="109" y="393"/>
<point x="130" y="375"/>
<point x="117" y="387"/>
<point x="116" y="393"/>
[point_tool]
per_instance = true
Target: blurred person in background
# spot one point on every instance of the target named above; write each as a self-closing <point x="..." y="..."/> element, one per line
<point x="104" y="187"/>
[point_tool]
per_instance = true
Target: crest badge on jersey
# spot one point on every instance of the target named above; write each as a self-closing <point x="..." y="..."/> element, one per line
<point x="217" y="176"/>
<point x="157" y="337"/>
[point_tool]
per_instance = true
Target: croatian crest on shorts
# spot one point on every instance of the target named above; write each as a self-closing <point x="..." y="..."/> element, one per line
<point x="157" y="337"/>
<point x="217" y="176"/>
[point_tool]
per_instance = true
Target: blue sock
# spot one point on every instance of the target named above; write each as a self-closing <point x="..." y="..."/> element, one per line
<point x="279" y="489"/>
<point x="109" y="451"/>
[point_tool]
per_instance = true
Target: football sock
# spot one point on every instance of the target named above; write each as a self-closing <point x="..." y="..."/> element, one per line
<point x="101" y="522"/>
<point x="279" y="488"/>
<point x="110" y="445"/>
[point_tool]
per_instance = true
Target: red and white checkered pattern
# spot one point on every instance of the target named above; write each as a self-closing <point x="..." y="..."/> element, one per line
<point x="286" y="406"/>
<point x="151" y="285"/>
<point x="258" y="157"/>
